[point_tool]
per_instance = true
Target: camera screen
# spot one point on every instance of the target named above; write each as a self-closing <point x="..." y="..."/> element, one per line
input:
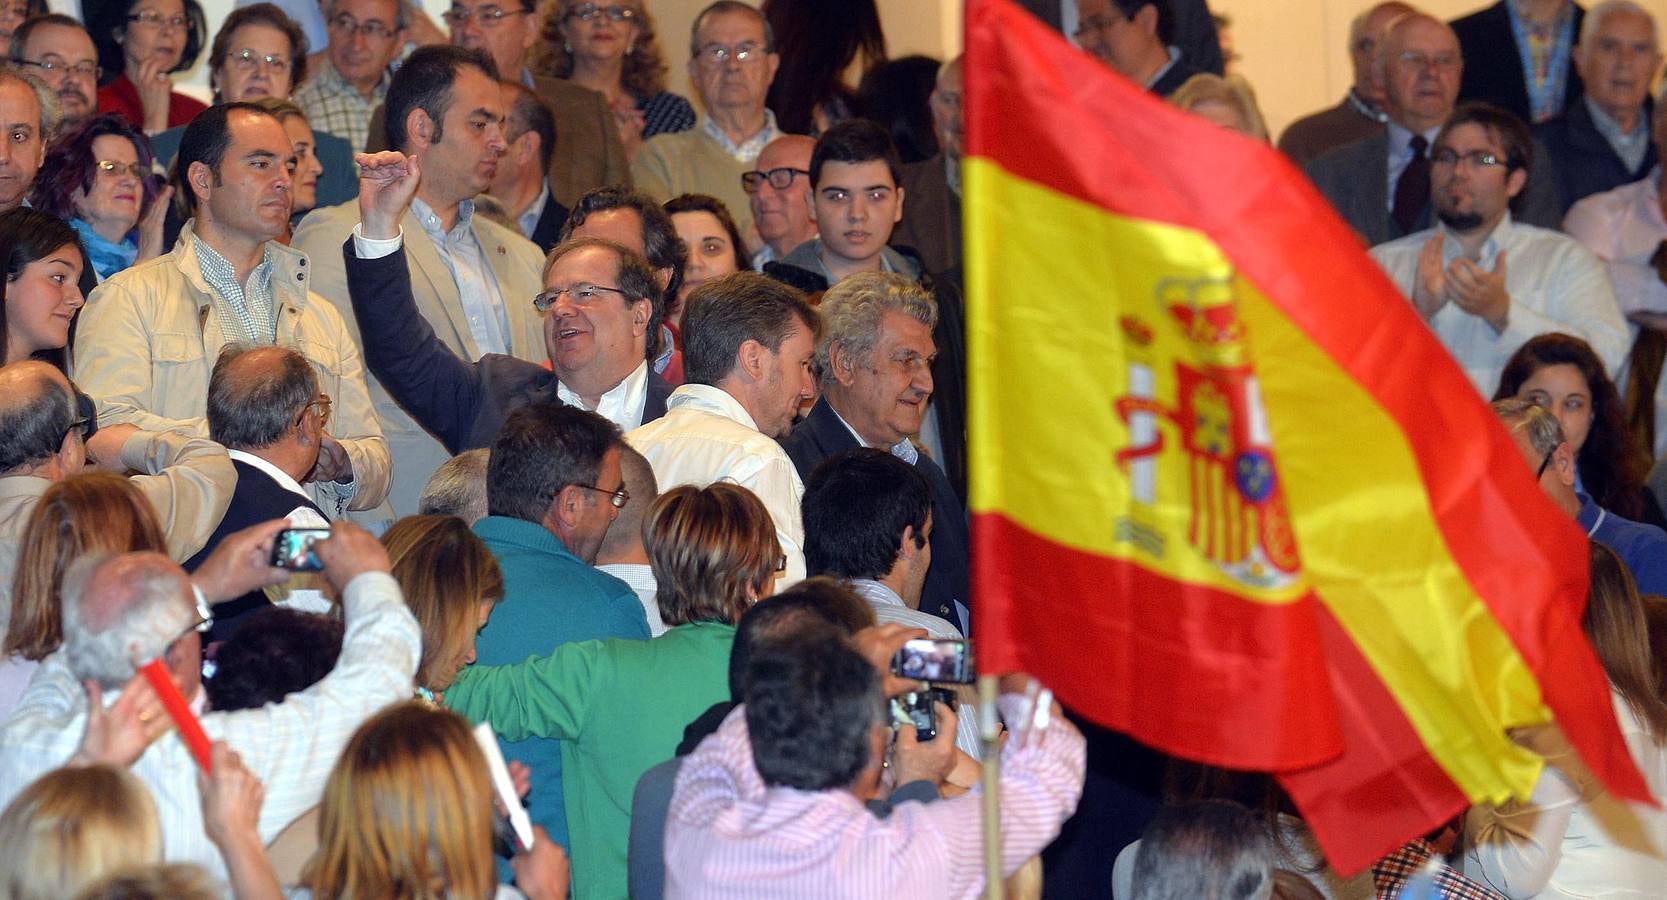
<point x="936" y="660"/>
<point x="293" y="549"/>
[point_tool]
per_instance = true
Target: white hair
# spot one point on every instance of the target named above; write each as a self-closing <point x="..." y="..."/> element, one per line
<point x="152" y="615"/>
<point x="852" y="309"/>
<point x="1596" y="16"/>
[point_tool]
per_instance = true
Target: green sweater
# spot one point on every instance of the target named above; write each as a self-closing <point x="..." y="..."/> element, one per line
<point x="621" y="707"/>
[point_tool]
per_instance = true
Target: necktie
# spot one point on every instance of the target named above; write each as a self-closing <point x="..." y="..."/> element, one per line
<point x="1412" y="189"/>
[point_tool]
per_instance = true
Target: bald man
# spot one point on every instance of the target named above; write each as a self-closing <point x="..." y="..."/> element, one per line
<point x="1360" y="113"/>
<point x="932" y="218"/>
<point x="623" y="555"/>
<point x="778" y="193"/>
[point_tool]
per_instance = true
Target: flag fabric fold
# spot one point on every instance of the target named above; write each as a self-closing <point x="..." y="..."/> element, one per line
<point x="1230" y="495"/>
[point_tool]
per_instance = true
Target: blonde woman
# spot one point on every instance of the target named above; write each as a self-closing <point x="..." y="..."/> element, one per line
<point x="451" y="582"/>
<point x="1228" y="102"/>
<point x="70" y="827"/>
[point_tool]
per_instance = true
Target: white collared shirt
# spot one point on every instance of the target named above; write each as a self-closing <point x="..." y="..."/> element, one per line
<point x="640" y="578"/>
<point x="622" y="404"/>
<point x="706" y="436"/>
<point x="889" y="608"/>
<point x="1555" y="285"/>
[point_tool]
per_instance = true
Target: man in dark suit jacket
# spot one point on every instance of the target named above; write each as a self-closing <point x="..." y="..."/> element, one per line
<point x="265" y="409"/>
<point x="1360" y="113"/>
<point x="522" y="181"/>
<point x="931" y="223"/>
<point x="598" y="308"/>
<point x="1135" y="37"/>
<point x="874" y="360"/>
<point x="1493" y="71"/>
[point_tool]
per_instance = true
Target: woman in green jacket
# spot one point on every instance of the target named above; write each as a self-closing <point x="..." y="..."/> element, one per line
<point x="620" y="705"/>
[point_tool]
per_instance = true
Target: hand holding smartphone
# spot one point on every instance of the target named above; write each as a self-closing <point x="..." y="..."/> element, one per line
<point x="292" y="549"/>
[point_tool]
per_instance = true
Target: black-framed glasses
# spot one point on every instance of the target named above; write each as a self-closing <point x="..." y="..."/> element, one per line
<point x="780" y="178"/>
<point x="118" y="168"/>
<point x="1476" y="159"/>
<point x="487" y="16"/>
<point x="85" y="69"/>
<point x="586" y="12"/>
<point x="247" y="60"/>
<point x="582" y="294"/>
<point x="348" y="26"/>
<point x="1540" y="473"/>
<point x="618" y="498"/>
<point x="150" y="18"/>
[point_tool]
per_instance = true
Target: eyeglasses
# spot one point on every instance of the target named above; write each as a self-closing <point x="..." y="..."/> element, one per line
<point x="118" y="169"/>
<point x="1444" y="62"/>
<point x="348" y="26"/>
<point x="582" y="294"/>
<point x="1476" y="159"/>
<point x="487" y="16"/>
<point x="247" y="60"/>
<point x="1544" y="463"/>
<point x="780" y="178"/>
<point x="80" y="69"/>
<point x="150" y="18"/>
<point x="718" y="54"/>
<point x="586" y="12"/>
<point x="86" y="417"/>
<point x="321" y="404"/>
<point x="1095" y="23"/>
<point x="618" y="498"/>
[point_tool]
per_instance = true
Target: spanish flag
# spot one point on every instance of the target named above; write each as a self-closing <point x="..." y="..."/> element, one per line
<point x="1230" y="496"/>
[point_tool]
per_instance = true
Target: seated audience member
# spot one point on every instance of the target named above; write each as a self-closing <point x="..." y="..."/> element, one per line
<point x="309" y="168"/>
<point x="140" y="44"/>
<point x="636" y="222"/>
<point x="613" y="50"/>
<point x="1228" y="102"/>
<point x="622" y="553"/>
<point x="778" y="194"/>
<point x="349" y="80"/>
<point x="56" y="49"/>
<point x="1208" y="848"/>
<point x="1133" y="37"/>
<point x="1571" y="837"/>
<point x="1484" y="281"/>
<point x="714" y="554"/>
<point x="97" y="177"/>
<point x="451" y="582"/>
<point x="73" y="825"/>
<point x="1602" y="140"/>
<point x="1562" y="374"/>
<point x="522" y="180"/>
<point x="553" y="487"/>
<point x="781" y="783"/>
<point x="457" y="488"/>
<point x="289" y="746"/>
<point x="1360" y="113"/>
<point x="29" y="110"/>
<point x="714" y="242"/>
<point x="872" y="364"/>
<point x="265" y="409"/>
<point x="470" y="278"/>
<point x="748" y="341"/>
<point x="408" y="807"/>
<point x="732" y="61"/>
<point x="931" y="223"/>
<point x="1533" y="85"/>
<point x="42" y="293"/>
<point x="228" y="281"/>
<point x="1540" y="438"/>
<point x="855" y="202"/>
<point x="597" y="343"/>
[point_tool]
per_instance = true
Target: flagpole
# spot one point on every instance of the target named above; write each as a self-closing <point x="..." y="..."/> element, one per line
<point x="989" y="731"/>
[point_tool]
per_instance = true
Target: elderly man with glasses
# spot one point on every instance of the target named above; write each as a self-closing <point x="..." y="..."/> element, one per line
<point x="732" y="60"/>
<point x="365" y="38"/>
<point x="57" y="49"/>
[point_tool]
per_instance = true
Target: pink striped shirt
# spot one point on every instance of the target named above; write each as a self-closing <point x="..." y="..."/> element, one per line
<point x="728" y="835"/>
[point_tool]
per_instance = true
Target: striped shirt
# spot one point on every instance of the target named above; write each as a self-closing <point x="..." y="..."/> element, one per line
<point x="730" y="836"/>
<point x="335" y="106"/>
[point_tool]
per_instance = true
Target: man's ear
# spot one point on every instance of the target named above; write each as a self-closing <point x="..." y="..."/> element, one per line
<point x="907" y="549"/>
<point x="750" y="359"/>
<point x="810" y="203"/>
<point x="642" y="312"/>
<point x="419" y="129"/>
<point x="201" y="180"/>
<point x="1515" y="182"/>
<point x="1563" y="460"/>
<point x="564" y="511"/>
<point x="1147" y="18"/>
<point x="843" y="364"/>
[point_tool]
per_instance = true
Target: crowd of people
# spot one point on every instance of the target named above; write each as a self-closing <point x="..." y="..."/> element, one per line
<point x="435" y="377"/>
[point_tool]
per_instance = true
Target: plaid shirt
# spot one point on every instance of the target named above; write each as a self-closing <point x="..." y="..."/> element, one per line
<point x="335" y="106"/>
<point x="1391" y="873"/>
<point x="254" y="312"/>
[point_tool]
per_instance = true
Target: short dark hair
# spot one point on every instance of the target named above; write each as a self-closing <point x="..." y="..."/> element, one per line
<point x="529" y="112"/>
<point x="730" y="6"/>
<point x="707" y="203"/>
<point x="660" y="242"/>
<point x="35" y="426"/>
<point x="425" y="82"/>
<point x="541" y="449"/>
<point x="810" y="706"/>
<point x="856" y="505"/>
<point x="20" y="37"/>
<point x="273" y="653"/>
<point x="1207" y="848"/>
<point x="1166" y="20"/>
<point x="726" y="313"/>
<point x="105" y="20"/>
<point x="26" y="236"/>
<point x="260" y="14"/>
<point x="855" y="141"/>
<point x="70" y="165"/>
<point x="1502" y="125"/>
<point x="250" y="410"/>
<point x="205" y="140"/>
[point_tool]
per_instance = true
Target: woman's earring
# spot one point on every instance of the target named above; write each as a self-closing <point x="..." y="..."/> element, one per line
<point x="567" y="45"/>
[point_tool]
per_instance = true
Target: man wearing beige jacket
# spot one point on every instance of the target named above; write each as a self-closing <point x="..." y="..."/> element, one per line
<point x="149" y="335"/>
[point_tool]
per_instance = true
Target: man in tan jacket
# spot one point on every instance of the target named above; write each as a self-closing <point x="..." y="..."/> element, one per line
<point x="149" y="335"/>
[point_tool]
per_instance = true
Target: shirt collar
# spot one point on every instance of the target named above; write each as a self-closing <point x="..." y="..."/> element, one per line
<point x="619" y="396"/>
<point x="1497" y="238"/>
<point x="903" y="449"/>
<point x="711" y="399"/>
<point x="1611" y="129"/>
<point x="218" y="269"/>
<point x="1364" y="108"/>
<point x="747" y="150"/>
<point x="528" y="221"/>
<point x="1174" y="57"/>
<point x="271" y="471"/>
<point x="1400" y="139"/>
<point x="431" y="222"/>
<point x="877" y="593"/>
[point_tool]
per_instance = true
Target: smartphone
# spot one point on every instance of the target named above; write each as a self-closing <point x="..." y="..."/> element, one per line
<point x="292" y="549"/>
<point x="915" y="708"/>
<point x="945" y="660"/>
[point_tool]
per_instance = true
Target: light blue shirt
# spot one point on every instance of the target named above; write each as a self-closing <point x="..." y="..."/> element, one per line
<point x="477" y="284"/>
<point x="528" y="221"/>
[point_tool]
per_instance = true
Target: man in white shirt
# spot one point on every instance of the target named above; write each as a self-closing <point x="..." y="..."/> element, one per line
<point x="290" y="746"/>
<point x="1487" y="284"/>
<point x="622" y="554"/>
<point x="748" y="342"/>
<point x="472" y="279"/>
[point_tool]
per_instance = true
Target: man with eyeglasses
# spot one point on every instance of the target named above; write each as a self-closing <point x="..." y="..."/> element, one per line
<point x="29" y="117"/>
<point x="352" y="79"/>
<point x="1134" y="37"/>
<point x="57" y="49"/>
<point x="1484" y="282"/>
<point x="1519" y="56"/>
<point x="52" y="433"/>
<point x="732" y="60"/>
<point x="931" y="223"/>
<point x="778" y="189"/>
<point x="1360" y="114"/>
<point x="1539" y="436"/>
